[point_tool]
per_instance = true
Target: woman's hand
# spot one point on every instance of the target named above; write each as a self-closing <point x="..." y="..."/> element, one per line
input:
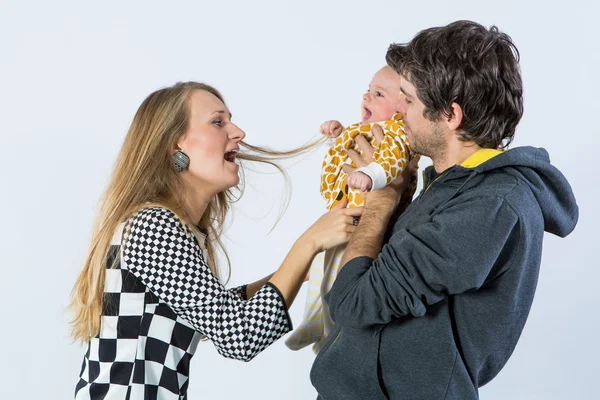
<point x="333" y="228"/>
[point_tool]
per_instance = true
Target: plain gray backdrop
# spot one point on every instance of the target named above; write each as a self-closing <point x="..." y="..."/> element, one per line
<point x="72" y="75"/>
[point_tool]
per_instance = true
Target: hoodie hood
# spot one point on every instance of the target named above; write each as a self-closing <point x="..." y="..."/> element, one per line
<point x="532" y="166"/>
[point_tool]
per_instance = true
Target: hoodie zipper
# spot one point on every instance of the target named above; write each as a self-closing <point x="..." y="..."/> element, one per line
<point x="473" y="173"/>
<point x="435" y="180"/>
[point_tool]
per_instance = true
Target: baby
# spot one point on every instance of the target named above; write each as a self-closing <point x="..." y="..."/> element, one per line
<point x="389" y="160"/>
<point x="378" y="105"/>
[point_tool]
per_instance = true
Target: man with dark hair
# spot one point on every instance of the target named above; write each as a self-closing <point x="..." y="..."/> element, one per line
<point x="429" y="303"/>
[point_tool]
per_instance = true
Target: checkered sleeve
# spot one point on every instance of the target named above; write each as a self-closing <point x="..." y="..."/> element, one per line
<point x="240" y="291"/>
<point x="160" y="251"/>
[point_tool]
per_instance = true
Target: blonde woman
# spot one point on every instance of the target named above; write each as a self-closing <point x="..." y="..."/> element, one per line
<point x="149" y="289"/>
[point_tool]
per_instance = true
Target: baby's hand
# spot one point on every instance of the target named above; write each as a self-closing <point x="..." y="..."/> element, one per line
<point x="360" y="180"/>
<point x="332" y="129"/>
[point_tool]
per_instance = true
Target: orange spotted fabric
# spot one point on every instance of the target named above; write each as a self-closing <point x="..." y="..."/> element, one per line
<point x="392" y="154"/>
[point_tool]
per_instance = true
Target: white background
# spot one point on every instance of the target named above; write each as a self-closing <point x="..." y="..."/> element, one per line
<point x="72" y="75"/>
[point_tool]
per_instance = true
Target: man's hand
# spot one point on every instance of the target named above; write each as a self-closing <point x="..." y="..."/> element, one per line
<point x="379" y="204"/>
<point x="386" y="199"/>
<point x="367" y="149"/>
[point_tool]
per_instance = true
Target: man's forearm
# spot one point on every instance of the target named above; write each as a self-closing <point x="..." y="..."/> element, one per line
<point x="367" y="239"/>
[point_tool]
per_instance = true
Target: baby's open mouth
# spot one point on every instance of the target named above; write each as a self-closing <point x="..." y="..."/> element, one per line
<point x="366" y="114"/>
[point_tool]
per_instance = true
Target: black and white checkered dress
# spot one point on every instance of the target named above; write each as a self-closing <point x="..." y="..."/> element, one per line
<point x="159" y="299"/>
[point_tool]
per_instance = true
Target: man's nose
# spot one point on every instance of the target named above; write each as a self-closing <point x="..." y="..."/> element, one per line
<point x="401" y="104"/>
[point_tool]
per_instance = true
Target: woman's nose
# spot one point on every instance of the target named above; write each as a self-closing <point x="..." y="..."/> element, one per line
<point x="236" y="133"/>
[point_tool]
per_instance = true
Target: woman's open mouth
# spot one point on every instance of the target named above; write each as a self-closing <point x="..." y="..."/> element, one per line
<point x="230" y="155"/>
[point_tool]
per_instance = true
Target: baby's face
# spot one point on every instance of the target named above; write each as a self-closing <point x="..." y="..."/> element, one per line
<point x="379" y="102"/>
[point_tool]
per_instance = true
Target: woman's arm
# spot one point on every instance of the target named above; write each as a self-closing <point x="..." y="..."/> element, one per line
<point x="290" y="275"/>
<point x="254" y="287"/>
<point x="332" y="229"/>
<point x="162" y="253"/>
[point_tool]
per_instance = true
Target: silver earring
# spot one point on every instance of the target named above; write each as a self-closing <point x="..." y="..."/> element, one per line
<point x="181" y="160"/>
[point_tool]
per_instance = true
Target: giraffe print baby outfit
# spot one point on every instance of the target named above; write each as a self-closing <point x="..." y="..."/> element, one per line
<point x="389" y="160"/>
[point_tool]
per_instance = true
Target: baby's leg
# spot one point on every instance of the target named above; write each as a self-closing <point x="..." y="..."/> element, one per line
<point x="333" y="259"/>
<point x="317" y="323"/>
<point x="311" y="328"/>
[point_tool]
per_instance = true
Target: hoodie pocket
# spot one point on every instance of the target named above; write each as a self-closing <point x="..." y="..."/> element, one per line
<point x="333" y="337"/>
<point x="347" y="366"/>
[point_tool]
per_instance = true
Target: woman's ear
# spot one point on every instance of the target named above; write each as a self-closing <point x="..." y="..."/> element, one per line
<point x="180" y="145"/>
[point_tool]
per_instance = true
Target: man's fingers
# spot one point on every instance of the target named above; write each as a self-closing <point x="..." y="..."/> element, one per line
<point x="414" y="163"/>
<point x="348" y="169"/>
<point x="357" y="158"/>
<point x="412" y="167"/>
<point x="377" y="132"/>
<point x="409" y="173"/>
<point x="404" y="177"/>
<point x="366" y="148"/>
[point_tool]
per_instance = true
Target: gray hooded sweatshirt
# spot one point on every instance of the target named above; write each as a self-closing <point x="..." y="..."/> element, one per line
<point x="439" y="312"/>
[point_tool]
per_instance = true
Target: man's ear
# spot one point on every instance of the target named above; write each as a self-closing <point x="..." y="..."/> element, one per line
<point x="455" y="120"/>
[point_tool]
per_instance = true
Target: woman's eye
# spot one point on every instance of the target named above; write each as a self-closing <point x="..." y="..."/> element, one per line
<point x="218" y="122"/>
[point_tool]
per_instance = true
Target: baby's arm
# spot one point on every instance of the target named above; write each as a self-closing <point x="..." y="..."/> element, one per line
<point x="390" y="158"/>
<point x="331" y="128"/>
<point x="356" y="180"/>
<point x="336" y="157"/>
<point x="361" y="181"/>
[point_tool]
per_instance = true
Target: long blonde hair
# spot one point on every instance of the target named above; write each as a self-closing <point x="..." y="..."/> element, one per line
<point x="144" y="176"/>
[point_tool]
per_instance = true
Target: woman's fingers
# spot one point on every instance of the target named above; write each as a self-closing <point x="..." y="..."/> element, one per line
<point x="350" y="230"/>
<point x="341" y="204"/>
<point x="354" y="211"/>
